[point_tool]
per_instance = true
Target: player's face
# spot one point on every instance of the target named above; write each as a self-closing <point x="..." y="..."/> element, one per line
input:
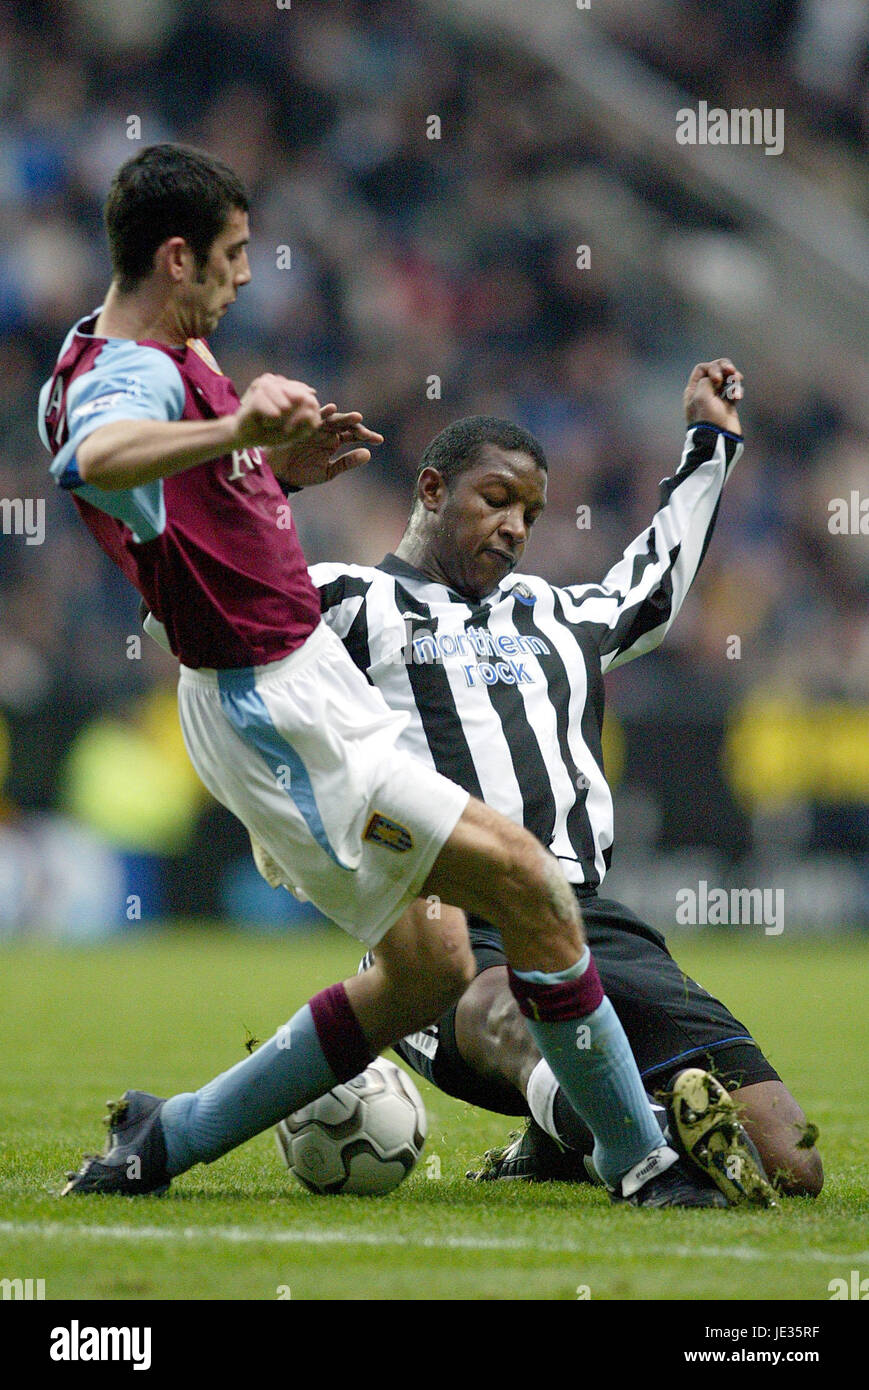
<point x="210" y="292"/>
<point x="485" y="520"/>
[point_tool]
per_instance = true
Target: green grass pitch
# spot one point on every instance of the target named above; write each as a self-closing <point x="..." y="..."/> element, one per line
<point x="166" y="1012"/>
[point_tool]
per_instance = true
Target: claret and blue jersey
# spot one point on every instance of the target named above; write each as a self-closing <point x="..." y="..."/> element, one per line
<point x="212" y="550"/>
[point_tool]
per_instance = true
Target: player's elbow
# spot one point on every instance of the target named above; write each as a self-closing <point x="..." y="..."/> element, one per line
<point x="95" y="467"/>
<point x="92" y="475"/>
<point x="97" y="457"/>
<point x="88" y="462"/>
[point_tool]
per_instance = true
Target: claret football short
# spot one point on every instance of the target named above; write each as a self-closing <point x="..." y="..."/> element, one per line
<point x="304" y="752"/>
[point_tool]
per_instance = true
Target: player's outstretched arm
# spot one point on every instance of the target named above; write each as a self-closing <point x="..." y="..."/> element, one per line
<point x="648" y="585"/>
<point x="317" y="458"/>
<point x="131" y="453"/>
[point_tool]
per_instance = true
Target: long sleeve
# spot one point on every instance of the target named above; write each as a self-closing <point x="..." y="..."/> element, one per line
<point x="642" y="594"/>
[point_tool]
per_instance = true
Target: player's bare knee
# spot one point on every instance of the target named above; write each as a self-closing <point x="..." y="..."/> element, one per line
<point x="783" y="1136"/>
<point x="796" y="1172"/>
<point x="809" y="1181"/>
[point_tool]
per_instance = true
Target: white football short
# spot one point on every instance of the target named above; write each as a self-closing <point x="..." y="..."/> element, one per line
<point x="304" y="752"/>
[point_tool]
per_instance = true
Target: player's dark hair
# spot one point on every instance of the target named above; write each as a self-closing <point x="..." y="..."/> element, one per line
<point x="458" y="447"/>
<point x="166" y="191"/>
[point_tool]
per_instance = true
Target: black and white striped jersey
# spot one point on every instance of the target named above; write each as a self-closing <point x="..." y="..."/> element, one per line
<point x="505" y="696"/>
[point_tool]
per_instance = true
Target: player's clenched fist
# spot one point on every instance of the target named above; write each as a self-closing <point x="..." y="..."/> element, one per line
<point x="713" y="390"/>
<point x="275" y="411"/>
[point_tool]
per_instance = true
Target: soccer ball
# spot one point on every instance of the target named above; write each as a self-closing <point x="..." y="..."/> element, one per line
<point x="362" y="1137"/>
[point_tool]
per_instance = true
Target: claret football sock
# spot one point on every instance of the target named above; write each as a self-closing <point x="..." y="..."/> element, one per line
<point x="321" y="1046"/>
<point x="579" y="1034"/>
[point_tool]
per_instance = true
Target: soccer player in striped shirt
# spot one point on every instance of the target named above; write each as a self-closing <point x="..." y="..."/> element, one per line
<point x="174" y="475"/>
<point x="501" y="676"/>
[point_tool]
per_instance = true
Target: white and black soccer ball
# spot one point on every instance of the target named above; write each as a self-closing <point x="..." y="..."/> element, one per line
<point x="362" y="1137"/>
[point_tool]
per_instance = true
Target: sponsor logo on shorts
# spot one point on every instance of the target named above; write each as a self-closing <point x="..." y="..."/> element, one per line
<point x="384" y="831"/>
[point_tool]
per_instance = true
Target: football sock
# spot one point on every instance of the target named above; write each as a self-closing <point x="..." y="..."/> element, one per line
<point x="320" y="1046"/>
<point x="578" y="1031"/>
<point x="554" y="1113"/>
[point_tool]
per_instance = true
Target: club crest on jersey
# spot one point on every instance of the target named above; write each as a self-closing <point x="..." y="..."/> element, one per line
<point x="202" y="350"/>
<point x="523" y="594"/>
<point x="383" y="831"/>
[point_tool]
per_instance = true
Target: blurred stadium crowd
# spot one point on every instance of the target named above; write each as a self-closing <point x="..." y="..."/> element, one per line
<point x="429" y="278"/>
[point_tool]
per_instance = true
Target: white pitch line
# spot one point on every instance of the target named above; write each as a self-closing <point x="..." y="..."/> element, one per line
<point x="243" y="1235"/>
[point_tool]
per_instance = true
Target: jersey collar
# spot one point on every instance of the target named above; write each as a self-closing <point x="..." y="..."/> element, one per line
<point x="391" y="564"/>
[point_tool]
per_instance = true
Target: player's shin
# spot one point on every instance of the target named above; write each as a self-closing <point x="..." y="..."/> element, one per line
<point x="319" y="1047"/>
<point x="578" y="1032"/>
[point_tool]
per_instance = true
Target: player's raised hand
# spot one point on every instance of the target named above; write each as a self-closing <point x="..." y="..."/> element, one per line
<point x="713" y="390"/>
<point x="317" y="458"/>
<point x="275" y="411"/>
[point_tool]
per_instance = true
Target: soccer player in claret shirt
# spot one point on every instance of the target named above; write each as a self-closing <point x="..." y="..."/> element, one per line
<point x="177" y="479"/>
